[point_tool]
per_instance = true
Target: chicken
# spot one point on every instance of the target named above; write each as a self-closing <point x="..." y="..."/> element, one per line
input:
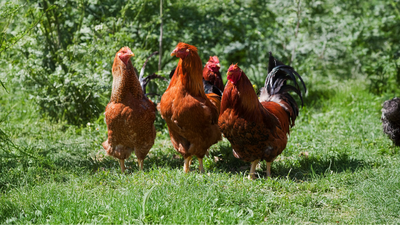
<point x="211" y="72"/>
<point x="207" y="85"/>
<point x="212" y="92"/>
<point x="257" y="128"/>
<point x="190" y="114"/>
<point x="129" y="115"/>
<point x="391" y="119"/>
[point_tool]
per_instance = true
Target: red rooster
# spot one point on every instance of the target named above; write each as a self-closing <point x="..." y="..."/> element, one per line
<point x="129" y="115"/>
<point x="257" y="128"/>
<point x="211" y="73"/>
<point x="191" y="115"/>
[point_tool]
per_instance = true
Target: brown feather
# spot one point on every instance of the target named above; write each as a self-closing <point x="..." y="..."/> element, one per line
<point x="190" y="115"/>
<point x="214" y="78"/>
<point x="129" y="115"/>
<point x="256" y="130"/>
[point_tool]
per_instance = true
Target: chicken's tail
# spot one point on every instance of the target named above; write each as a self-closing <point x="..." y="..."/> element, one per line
<point x="145" y="80"/>
<point x="213" y="93"/>
<point x="211" y="88"/>
<point x="276" y="89"/>
<point x="215" y="100"/>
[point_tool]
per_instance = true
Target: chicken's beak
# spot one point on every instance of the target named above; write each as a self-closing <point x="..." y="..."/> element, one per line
<point x="173" y="53"/>
<point x="218" y="65"/>
<point x="228" y="73"/>
<point x="130" y="53"/>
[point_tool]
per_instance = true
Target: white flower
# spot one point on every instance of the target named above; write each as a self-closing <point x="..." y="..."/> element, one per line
<point x="98" y="27"/>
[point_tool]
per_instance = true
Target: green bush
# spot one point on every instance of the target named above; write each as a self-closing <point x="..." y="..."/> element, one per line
<point x="65" y="63"/>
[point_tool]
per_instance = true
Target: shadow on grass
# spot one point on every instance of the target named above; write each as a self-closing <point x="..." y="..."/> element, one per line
<point x="60" y="163"/>
<point x="8" y="210"/>
<point x="296" y="168"/>
<point x="316" y="97"/>
<point x="304" y="168"/>
<point x="221" y="159"/>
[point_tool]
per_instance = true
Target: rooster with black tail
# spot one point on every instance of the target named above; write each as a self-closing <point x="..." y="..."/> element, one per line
<point x="258" y="128"/>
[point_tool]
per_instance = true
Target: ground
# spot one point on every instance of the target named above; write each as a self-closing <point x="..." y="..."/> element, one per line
<point x="338" y="167"/>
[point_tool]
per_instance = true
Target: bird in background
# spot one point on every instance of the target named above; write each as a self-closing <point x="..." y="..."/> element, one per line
<point x="391" y="119"/>
<point x="130" y="114"/>
<point x="191" y="114"/>
<point x="211" y="73"/>
<point x="258" y="128"/>
<point x="208" y="85"/>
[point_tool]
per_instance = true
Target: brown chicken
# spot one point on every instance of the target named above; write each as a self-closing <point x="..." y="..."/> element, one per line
<point x="129" y="115"/>
<point x="191" y="115"/>
<point x="257" y="128"/>
<point x="211" y="72"/>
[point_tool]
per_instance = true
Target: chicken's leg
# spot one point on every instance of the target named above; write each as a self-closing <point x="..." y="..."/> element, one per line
<point x="186" y="165"/>
<point x="252" y="174"/>
<point x="269" y="169"/>
<point x="122" y="164"/>
<point x="201" y="168"/>
<point x="140" y="162"/>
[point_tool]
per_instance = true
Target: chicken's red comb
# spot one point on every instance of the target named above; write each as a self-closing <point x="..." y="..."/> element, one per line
<point x="234" y="68"/>
<point x="214" y="59"/>
<point x="182" y="45"/>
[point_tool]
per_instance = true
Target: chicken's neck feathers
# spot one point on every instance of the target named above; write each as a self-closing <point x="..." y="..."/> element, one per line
<point x="242" y="97"/>
<point x="189" y="71"/>
<point x="124" y="81"/>
<point x="243" y="101"/>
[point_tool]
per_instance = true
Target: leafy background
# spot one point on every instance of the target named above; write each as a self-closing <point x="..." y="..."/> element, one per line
<point x="55" y="81"/>
<point x="65" y="59"/>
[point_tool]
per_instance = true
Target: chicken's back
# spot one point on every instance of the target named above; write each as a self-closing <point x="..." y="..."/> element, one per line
<point x="130" y="128"/>
<point x="190" y="121"/>
<point x="279" y="112"/>
<point x="214" y="78"/>
<point x="253" y="138"/>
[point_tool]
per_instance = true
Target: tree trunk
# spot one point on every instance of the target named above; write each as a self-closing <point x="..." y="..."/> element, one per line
<point x="161" y="36"/>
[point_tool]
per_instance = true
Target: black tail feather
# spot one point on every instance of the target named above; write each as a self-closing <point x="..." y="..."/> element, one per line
<point x="276" y="85"/>
<point x="211" y="88"/>
<point x="273" y="63"/>
<point x="278" y="74"/>
<point x="172" y="73"/>
<point x="145" y="81"/>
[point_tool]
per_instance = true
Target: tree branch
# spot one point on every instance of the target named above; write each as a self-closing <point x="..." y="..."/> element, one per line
<point x="161" y="36"/>
<point x="298" y="13"/>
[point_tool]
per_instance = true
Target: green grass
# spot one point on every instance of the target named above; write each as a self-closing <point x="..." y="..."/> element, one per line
<point x="57" y="173"/>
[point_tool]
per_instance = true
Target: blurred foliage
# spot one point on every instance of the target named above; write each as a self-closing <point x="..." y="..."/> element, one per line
<point x="65" y="62"/>
<point x="9" y="10"/>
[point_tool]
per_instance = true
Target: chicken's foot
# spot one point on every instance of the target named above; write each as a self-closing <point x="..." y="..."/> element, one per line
<point x="186" y="165"/>
<point x="201" y="168"/>
<point x="122" y="164"/>
<point x="252" y="174"/>
<point x="269" y="169"/>
<point x="140" y="162"/>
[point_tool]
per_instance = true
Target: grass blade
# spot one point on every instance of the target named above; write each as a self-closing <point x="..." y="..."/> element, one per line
<point x="2" y="84"/>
